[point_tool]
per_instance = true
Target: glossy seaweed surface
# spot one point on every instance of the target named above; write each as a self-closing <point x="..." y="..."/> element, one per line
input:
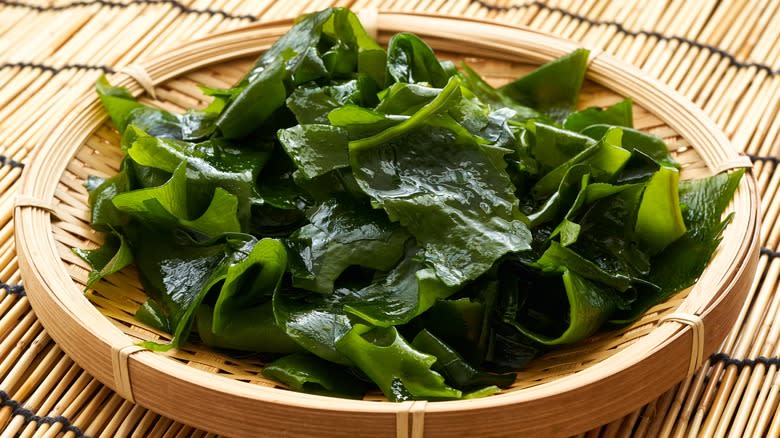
<point x="374" y="217"/>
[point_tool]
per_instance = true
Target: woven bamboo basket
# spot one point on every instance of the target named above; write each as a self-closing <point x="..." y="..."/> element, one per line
<point x="563" y="392"/>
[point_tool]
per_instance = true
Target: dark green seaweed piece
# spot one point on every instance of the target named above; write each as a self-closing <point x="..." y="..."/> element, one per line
<point x="605" y="159"/>
<point x="326" y="44"/>
<point x="649" y="144"/>
<point x="343" y="233"/>
<point x="210" y="164"/>
<point x="250" y="282"/>
<point x="559" y="315"/>
<point x="362" y="122"/>
<point x="401" y="372"/>
<point x="460" y="323"/>
<point x="404" y="293"/>
<point x="114" y="255"/>
<point x="311" y="103"/>
<point x="310" y="374"/>
<point x="246" y="329"/>
<point x="607" y="234"/>
<point x="442" y="102"/>
<point x="410" y="60"/>
<point x="177" y="275"/>
<point x="568" y="190"/>
<point x="410" y="166"/>
<point x="315" y="149"/>
<point x="682" y="262"/>
<point x="552" y="88"/>
<point x="117" y="101"/>
<point x="166" y="207"/>
<point x="639" y="168"/>
<point x="406" y="99"/>
<point x="190" y="126"/>
<point x="279" y="192"/>
<point x="315" y="321"/>
<point x="124" y="111"/>
<point x="103" y="215"/>
<point x="454" y="368"/>
<point x="493" y="97"/>
<point x="553" y="146"/>
<point x="659" y="220"/>
<point x="619" y="114"/>
<point x="558" y="258"/>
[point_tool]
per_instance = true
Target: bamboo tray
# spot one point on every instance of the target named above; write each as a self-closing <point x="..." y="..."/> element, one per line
<point x="564" y="392"/>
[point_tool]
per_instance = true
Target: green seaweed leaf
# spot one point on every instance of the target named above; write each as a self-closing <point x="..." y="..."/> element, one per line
<point x="343" y="234"/>
<point x="178" y="275"/>
<point x="401" y="372"/>
<point x="454" y="368"/>
<point x="407" y="171"/>
<point x="250" y="282"/>
<point x="310" y="374"/>
<point x="246" y="329"/>
<point x="682" y="262"/>
<point x="410" y="60"/>
<point x="114" y="255"/>
<point x="619" y="114"/>
<point x="166" y="207"/>
<point x="552" y="88"/>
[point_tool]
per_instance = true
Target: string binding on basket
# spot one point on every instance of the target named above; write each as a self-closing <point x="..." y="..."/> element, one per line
<point x="22" y="201"/>
<point x="120" y="362"/>
<point x="139" y="73"/>
<point x="414" y="411"/>
<point x="697" y="330"/>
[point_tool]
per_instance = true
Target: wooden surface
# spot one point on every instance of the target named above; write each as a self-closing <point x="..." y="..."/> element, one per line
<point x="724" y="56"/>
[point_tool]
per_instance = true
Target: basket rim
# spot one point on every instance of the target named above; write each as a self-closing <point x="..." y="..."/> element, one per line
<point x="740" y="245"/>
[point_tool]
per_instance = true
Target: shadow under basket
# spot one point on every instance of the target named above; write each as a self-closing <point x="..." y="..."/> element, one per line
<point x="563" y="392"/>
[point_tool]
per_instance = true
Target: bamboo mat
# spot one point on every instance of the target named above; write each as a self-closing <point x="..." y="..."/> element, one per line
<point x="723" y="55"/>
